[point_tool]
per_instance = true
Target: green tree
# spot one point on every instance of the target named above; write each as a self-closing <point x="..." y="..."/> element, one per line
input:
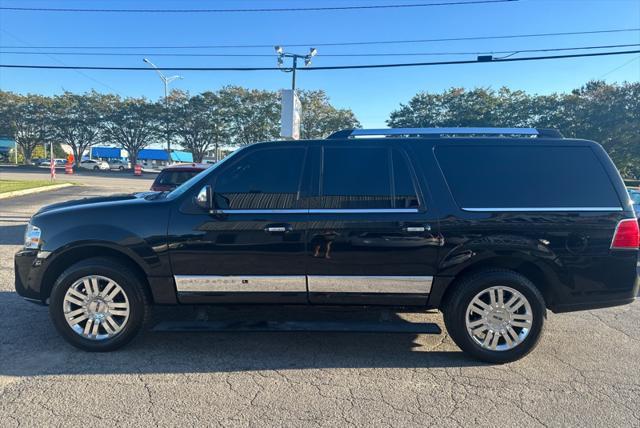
<point x="609" y="114"/>
<point x="253" y="115"/>
<point x="77" y="119"/>
<point x="131" y="123"/>
<point x="320" y="119"/>
<point x="27" y="119"/>
<point x="606" y="113"/>
<point x="199" y="122"/>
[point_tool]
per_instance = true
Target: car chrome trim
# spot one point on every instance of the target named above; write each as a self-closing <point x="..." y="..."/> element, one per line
<point x="301" y="283"/>
<point x="290" y="211"/>
<point x="370" y="284"/>
<point x="43" y="254"/>
<point x="543" y="209"/>
<point x="362" y="211"/>
<point x="240" y="284"/>
<point x="325" y="211"/>
<point x="440" y="131"/>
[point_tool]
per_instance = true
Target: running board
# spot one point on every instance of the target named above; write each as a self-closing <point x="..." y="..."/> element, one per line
<point x="301" y="326"/>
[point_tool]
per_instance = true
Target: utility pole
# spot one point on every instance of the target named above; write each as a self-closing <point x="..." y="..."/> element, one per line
<point x="307" y="62"/>
<point x="166" y="81"/>
<point x="290" y="114"/>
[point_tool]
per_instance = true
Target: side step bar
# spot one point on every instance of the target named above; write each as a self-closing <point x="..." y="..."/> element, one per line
<point x="299" y="326"/>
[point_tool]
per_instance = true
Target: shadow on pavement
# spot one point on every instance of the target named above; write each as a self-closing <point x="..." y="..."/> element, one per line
<point x="29" y="346"/>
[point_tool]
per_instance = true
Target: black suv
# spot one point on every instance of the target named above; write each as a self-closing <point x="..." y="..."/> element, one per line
<point x="491" y="226"/>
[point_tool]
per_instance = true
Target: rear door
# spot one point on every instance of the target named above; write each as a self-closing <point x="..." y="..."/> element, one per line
<point x="253" y="249"/>
<point x="372" y="235"/>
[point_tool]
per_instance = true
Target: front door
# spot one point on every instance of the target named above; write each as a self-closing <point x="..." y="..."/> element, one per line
<point x="372" y="237"/>
<point x="253" y="249"/>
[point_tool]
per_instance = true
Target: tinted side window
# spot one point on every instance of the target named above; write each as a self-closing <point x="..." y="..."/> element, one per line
<point x="404" y="191"/>
<point x="355" y="178"/>
<point x="174" y="178"/>
<point x="264" y="179"/>
<point x="526" y="177"/>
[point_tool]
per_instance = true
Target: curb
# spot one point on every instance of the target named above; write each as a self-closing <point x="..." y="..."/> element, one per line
<point x="34" y="190"/>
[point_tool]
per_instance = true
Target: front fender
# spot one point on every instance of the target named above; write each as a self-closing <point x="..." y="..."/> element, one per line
<point x="144" y="251"/>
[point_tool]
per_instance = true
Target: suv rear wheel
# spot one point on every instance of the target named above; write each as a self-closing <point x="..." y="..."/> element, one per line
<point x="98" y="305"/>
<point x="496" y="316"/>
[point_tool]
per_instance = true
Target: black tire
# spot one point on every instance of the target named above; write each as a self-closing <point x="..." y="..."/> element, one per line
<point x="121" y="168"/>
<point x="96" y="168"/>
<point x="139" y="303"/>
<point x="455" y="312"/>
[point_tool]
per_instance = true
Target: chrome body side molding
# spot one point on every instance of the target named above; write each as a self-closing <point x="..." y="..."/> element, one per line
<point x="324" y="211"/>
<point x="370" y="284"/>
<point x="241" y="284"/>
<point x="302" y="284"/>
<point x="362" y="211"/>
<point x="545" y="209"/>
<point x="284" y="211"/>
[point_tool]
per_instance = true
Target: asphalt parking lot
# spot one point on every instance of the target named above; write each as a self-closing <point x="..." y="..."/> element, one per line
<point x="585" y="372"/>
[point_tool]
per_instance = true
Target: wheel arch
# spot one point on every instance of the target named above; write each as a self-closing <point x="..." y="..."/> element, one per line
<point x="76" y="254"/>
<point x="541" y="277"/>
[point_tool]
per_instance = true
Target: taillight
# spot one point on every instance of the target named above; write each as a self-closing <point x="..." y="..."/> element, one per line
<point x="626" y="236"/>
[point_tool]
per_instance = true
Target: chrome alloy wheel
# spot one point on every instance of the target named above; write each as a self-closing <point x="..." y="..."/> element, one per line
<point x="499" y="318"/>
<point x="96" y="307"/>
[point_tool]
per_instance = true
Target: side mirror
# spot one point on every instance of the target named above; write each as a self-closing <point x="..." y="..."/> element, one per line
<point x="204" y="199"/>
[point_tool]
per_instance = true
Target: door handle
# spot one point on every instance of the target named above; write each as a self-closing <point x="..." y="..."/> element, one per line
<point x="278" y="229"/>
<point x="417" y="229"/>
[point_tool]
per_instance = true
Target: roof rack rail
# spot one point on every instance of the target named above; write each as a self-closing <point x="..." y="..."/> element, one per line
<point x="536" y="132"/>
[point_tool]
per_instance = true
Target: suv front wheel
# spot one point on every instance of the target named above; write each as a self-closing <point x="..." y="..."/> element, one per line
<point x="496" y="316"/>
<point x="98" y="305"/>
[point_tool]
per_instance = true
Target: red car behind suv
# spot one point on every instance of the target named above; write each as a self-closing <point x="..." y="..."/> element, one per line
<point x="173" y="176"/>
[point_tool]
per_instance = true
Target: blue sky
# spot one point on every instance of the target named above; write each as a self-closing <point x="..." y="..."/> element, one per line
<point x="372" y="94"/>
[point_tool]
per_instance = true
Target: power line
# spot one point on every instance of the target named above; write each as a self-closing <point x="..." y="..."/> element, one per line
<point x="512" y="51"/>
<point x="271" y="9"/>
<point x="332" y="67"/>
<point x="361" y="43"/>
<point x="619" y="67"/>
<point x="419" y="64"/>
<point x="81" y="73"/>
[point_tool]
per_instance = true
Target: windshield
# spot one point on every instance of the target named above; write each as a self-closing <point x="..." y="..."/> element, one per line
<point x="178" y="191"/>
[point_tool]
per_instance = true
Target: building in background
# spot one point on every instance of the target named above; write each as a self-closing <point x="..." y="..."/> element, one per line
<point x="106" y="153"/>
<point x="147" y="157"/>
<point x="7" y="146"/>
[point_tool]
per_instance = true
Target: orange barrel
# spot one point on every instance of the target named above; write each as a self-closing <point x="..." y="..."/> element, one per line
<point x="137" y="170"/>
<point x="68" y="168"/>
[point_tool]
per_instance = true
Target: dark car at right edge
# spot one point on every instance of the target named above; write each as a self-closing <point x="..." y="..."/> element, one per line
<point x="492" y="226"/>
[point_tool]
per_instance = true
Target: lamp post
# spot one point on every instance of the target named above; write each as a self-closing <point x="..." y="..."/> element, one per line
<point x="307" y="61"/>
<point x="166" y="80"/>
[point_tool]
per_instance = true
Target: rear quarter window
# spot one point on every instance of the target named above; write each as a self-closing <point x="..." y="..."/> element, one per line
<point x="493" y="176"/>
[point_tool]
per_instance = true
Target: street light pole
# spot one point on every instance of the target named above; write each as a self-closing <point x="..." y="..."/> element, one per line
<point x="307" y="61"/>
<point x="293" y="73"/>
<point x="166" y="80"/>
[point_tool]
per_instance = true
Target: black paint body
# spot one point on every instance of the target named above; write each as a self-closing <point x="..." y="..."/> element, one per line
<point x="565" y="253"/>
